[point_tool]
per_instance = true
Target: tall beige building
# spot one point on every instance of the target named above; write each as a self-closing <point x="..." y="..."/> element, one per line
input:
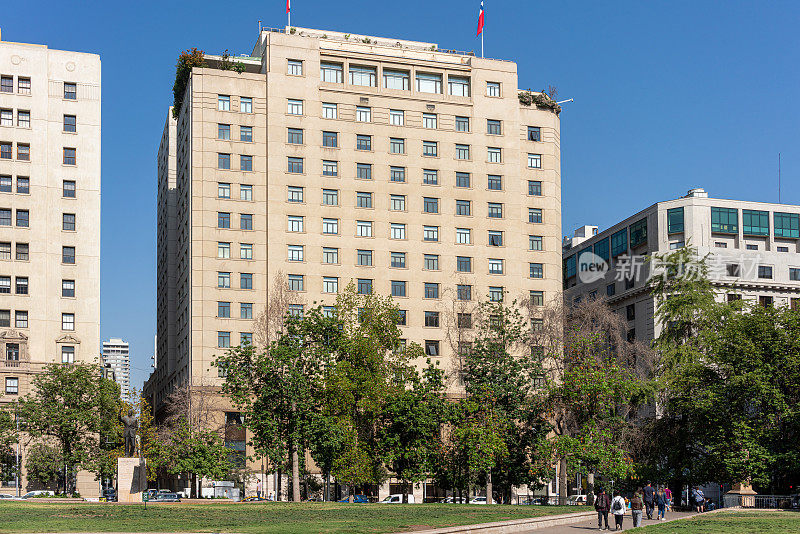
<point x="409" y="170"/>
<point x="49" y="216"/>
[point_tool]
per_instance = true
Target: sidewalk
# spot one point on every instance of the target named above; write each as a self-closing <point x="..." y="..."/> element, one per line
<point x="627" y="524"/>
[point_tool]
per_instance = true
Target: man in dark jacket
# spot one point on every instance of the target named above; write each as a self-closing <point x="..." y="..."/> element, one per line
<point x="602" y="504"/>
<point x="649" y="494"/>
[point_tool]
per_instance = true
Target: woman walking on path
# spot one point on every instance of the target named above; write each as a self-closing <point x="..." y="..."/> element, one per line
<point x="668" y="495"/>
<point x="636" y="508"/>
<point x="661" y="502"/>
<point x="618" y="509"/>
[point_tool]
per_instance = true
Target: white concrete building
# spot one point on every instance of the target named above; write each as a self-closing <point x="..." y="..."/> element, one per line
<point x="116" y="353"/>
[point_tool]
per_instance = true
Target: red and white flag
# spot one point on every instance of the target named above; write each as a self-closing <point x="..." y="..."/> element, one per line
<point x="288" y="7"/>
<point x="480" y="20"/>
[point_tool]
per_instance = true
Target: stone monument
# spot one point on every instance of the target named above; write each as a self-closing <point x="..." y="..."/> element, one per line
<point x="131" y="469"/>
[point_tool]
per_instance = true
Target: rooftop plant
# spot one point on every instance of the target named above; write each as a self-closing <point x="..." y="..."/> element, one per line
<point x="186" y="61"/>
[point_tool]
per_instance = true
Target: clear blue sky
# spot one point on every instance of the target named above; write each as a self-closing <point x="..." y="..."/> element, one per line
<point x="668" y="96"/>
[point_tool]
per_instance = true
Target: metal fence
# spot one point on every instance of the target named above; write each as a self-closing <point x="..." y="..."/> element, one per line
<point x="766" y="502"/>
<point x="553" y="500"/>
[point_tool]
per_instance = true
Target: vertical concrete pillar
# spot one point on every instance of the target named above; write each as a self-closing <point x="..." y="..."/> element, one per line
<point x="383" y="490"/>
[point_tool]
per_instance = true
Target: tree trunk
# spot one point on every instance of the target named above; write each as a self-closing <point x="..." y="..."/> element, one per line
<point x="295" y="472"/>
<point x="590" y="488"/>
<point x="327" y="487"/>
<point x="278" y="486"/>
<point x="193" y="490"/>
<point x="489" y="487"/>
<point x="562" y="481"/>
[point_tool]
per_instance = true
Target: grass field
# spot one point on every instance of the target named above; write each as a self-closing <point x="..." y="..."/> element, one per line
<point x="731" y="523"/>
<point x="271" y="518"/>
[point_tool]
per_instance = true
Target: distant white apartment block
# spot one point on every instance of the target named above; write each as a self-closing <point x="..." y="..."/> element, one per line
<point x="117" y="355"/>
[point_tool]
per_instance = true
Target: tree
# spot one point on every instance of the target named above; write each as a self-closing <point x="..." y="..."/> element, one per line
<point x="186" y="62"/>
<point x="69" y="408"/>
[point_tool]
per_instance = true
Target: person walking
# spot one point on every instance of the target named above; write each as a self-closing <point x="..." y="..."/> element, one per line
<point x="698" y="498"/>
<point x="649" y="493"/>
<point x="618" y="509"/>
<point x="636" y="508"/>
<point x="259" y="489"/>
<point x="668" y="495"/>
<point x="661" y="502"/>
<point x="602" y="504"/>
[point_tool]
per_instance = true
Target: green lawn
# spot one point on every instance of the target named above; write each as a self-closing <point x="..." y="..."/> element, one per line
<point x="270" y="518"/>
<point x="731" y="523"/>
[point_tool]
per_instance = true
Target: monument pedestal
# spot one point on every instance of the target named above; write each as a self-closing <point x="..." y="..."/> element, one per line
<point x="131" y="479"/>
<point x="744" y="491"/>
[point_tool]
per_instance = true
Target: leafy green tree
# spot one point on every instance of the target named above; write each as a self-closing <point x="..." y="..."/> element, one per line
<point x="187" y="60"/>
<point x="43" y="463"/>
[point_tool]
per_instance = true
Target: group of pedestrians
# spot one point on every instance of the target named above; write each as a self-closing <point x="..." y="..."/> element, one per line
<point x="644" y="501"/>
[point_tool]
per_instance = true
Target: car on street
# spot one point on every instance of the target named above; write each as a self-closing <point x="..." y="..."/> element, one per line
<point x="478" y="500"/>
<point x="254" y="498"/>
<point x="38" y="493"/>
<point x="168" y="496"/>
<point x="576" y="500"/>
<point x="452" y="500"/>
<point x="110" y="495"/>
<point x="6" y="496"/>
<point x="397" y="498"/>
<point x="358" y="499"/>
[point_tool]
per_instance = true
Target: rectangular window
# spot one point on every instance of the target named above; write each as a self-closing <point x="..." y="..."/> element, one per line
<point x="330" y="226"/>
<point x="397" y="202"/>
<point x="464" y="264"/>
<point x="462" y="124"/>
<point x="295" y="253"/>
<point x="245" y="163"/>
<point x="246" y="310"/>
<point x="223" y="161"/>
<point x="245" y="192"/>
<point x="364" y="228"/>
<point x="397" y="174"/>
<point x="223" y="102"/>
<point x="535" y="188"/>
<point x="295" y="194"/>
<point x="493" y="127"/>
<point x="638" y="232"/>
<point x="5" y="284"/>
<point x="23" y="152"/>
<point x="755" y="222"/>
<point x="246" y="221"/>
<point x="294" y="107"/>
<point x="69" y="189"/>
<point x="245" y="104"/>
<point x="6" y="117"/>
<point x="495" y="238"/>
<point x="398" y="288"/>
<point x="223" y="250"/>
<point x="330" y="255"/>
<point x="22" y="251"/>
<point x="675" y="220"/>
<point x="296" y="282"/>
<point x="364" y="258"/>
<point x="223" y="220"/>
<point x="23" y="185"/>
<point x="5" y="251"/>
<point x="395" y="79"/>
<point x="364" y="171"/>
<point x="463" y="179"/>
<point x="430" y="205"/>
<point x="725" y="220"/>
<point x="330" y="284"/>
<point x="495" y="266"/>
<point x="363" y="76"/>
<point x="245" y="251"/>
<point x="223" y="190"/>
<point x="24" y="85"/>
<point x="463" y="207"/>
<point x="462" y="151"/>
<point x="6" y="185"/>
<point x="363" y="114"/>
<point x="12" y="385"/>
<point x="794" y="274"/>
<point x="397" y="260"/>
<point x="396" y="117"/>
<point x="330" y="197"/>
<point x="397" y="145"/>
<point x="430" y="262"/>
<point x="429" y="83"/>
<point x="70" y="91"/>
<point x="224" y="132"/>
<point x="432" y="319"/>
<point x="295" y="223"/>
<point x="619" y="242"/>
<point x="430" y="148"/>
<point x="330" y="168"/>
<point x="536" y="270"/>
<point x="5" y="318"/>
<point x="68" y="222"/>
<point x="765" y="271"/>
<point x="223" y="280"/>
<point x="294" y="165"/>
<point x="495" y="182"/>
<point x="786" y="224"/>
<point x="495" y="210"/>
<point x="458" y="86"/>
<point x="430" y="233"/>
<point x="398" y="231"/>
<point x="534" y="133"/>
<point x="494" y="154"/>
<point x="67" y="321"/>
<point x="363" y="142"/>
<point x="330" y="139"/>
<point x="535" y="242"/>
<point x="496" y="293"/>
<point x="601" y="249"/>
<point x="223" y="310"/>
<point x="5" y="217"/>
<point x="492" y="89"/>
<point x="431" y="348"/>
<point x="246" y="134"/>
<point x="294" y="67"/>
<point x="329" y="111"/>
<point x="295" y="310"/>
<point x="223" y="339"/>
<point x="5" y="151"/>
<point x="68" y="255"/>
<point x="295" y="136"/>
<point x="463" y="236"/>
<point x="364" y="286"/>
<point x="429" y="120"/>
<point x="463" y="292"/>
<point x="12" y="352"/>
<point x="534" y="161"/>
<point x="67" y="288"/>
<point x="331" y="73"/>
<point x="537" y="298"/>
<point x="430" y="177"/>
<point x="431" y="290"/>
<point x="70" y="156"/>
<point x="245" y="280"/>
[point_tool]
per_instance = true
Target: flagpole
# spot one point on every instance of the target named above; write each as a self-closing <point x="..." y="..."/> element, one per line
<point x="481" y="43"/>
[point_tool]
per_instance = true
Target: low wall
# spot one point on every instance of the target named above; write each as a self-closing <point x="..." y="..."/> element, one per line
<point x="516" y="525"/>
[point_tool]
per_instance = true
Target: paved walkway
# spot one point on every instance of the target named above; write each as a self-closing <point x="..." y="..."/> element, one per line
<point x="591" y="526"/>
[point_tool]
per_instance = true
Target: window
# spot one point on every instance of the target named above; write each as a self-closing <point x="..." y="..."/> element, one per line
<point x="294" y="165"/>
<point x="397" y="145"/>
<point x="70" y="156"/>
<point x="535" y="188"/>
<point x="5" y="284"/>
<point x="429" y="120"/>
<point x="463" y="207"/>
<point x="364" y="228"/>
<point x="495" y="182"/>
<point x="462" y="179"/>
<point x="397" y="260"/>
<point x="535" y="242"/>
<point x="223" y="310"/>
<point x="329" y="311"/>
<point x="493" y="127"/>
<point x="363" y="142"/>
<point x="495" y="266"/>
<point x="674" y="220"/>
<point x="330" y="139"/>
<point x="462" y="124"/>
<point x="537" y="298"/>
<point x="638" y="232"/>
<point x="12" y="385"/>
<point x="725" y="220"/>
<point x="24" y="119"/>
<point x="429" y="83"/>
<point x="295" y="136"/>
<point x="67" y="321"/>
<point x="223" y="220"/>
<point x="430" y="177"/>
<point x="462" y="151"/>
<point x="430" y="148"/>
<point x="223" y="161"/>
<point x="295" y="223"/>
<point x="330" y="197"/>
<point x="364" y="171"/>
<point x="494" y="155"/>
<point x="223" y="131"/>
<point x="765" y="271"/>
<point x="330" y="255"/>
<point x="296" y="282"/>
<point x="463" y="292"/>
<point x="534" y="133"/>
<point x="786" y="224"/>
<point x="432" y="319"/>
<point x="463" y="264"/>
<point x="223" y="250"/>
<point x="69" y="123"/>
<point x="330" y="168"/>
<point x="431" y="290"/>
<point x="70" y="91"/>
<point x="246" y="281"/>
<point x="245" y="251"/>
<point x="295" y="310"/>
<point x="431" y="348"/>
<point x="765" y="301"/>
<point x="601" y="248"/>
<point x="492" y="89"/>
<point x="330" y="226"/>
<point x="68" y="222"/>
<point x="5" y="151"/>
<point x="534" y="161"/>
<point x="783" y="249"/>
<point x="463" y="236"/>
<point x="24" y="85"/>
<point x="246" y="221"/>
<point x="223" y="340"/>
<point x="364" y="76"/>
<point x="67" y="288"/>
<point x="295" y="67"/>
<point x="223" y="102"/>
<point x="430" y="233"/>
<point x="363" y="114"/>
<point x="5" y="318"/>
<point x="295" y="253"/>
<point x="245" y="104"/>
<point x="458" y="85"/>
<point x="398" y="231"/>
<point x="22" y="251"/>
<point x="675" y="245"/>
<point x="331" y="73"/>
<point x="397" y="202"/>
<point x="223" y="190"/>
<point x="6" y="185"/>
<point x="496" y="293"/>
<point x="294" y="107"/>
<point x="619" y="242"/>
<point x="430" y="262"/>
<point x="68" y="255"/>
<point x="397" y="174"/>
<point x="24" y="152"/>
<point x="364" y="286"/>
<point x="402" y="320"/>
<point x="68" y="189"/>
<point x="536" y="270"/>
<point x="398" y="288"/>
<point x="495" y="238"/>
<point x="246" y="310"/>
<point x="495" y="210"/>
<point x="396" y="117"/>
<point x="733" y="269"/>
<point x="295" y="194"/>
<point x="329" y="111"/>
<point x="330" y="284"/>
<point x="5" y="217"/>
<point x="6" y="117"/>
<point x="396" y="79"/>
<point x="794" y="274"/>
<point x="245" y="192"/>
<point x="364" y="258"/>
<point x="430" y="205"/>
<point x="12" y="351"/>
<point x="23" y="185"/>
<point x="246" y="134"/>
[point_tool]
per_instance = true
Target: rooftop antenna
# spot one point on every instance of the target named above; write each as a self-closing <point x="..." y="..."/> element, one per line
<point x="259" y="27"/>
<point x="779" y="177"/>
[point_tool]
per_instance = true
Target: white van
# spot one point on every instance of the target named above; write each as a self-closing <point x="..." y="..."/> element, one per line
<point x="397" y="498"/>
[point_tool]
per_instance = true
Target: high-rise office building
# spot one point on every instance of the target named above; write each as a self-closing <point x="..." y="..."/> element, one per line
<point x="116" y="353"/>
<point x="49" y="214"/>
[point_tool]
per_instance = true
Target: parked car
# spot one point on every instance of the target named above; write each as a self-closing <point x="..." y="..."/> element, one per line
<point x="254" y="498"/>
<point x="358" y="499"/>
<point x="110" y="495"/>
<point x="38" y="493"/>
<point x="397" y="498"/>
<point x="167" y="497"/>
<point x="6" y="496"/>
<point x="576" y="500"/>
<point x="452" y="500"/>
<point x="478" y="500"/>
<point x="151" y="494"/>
